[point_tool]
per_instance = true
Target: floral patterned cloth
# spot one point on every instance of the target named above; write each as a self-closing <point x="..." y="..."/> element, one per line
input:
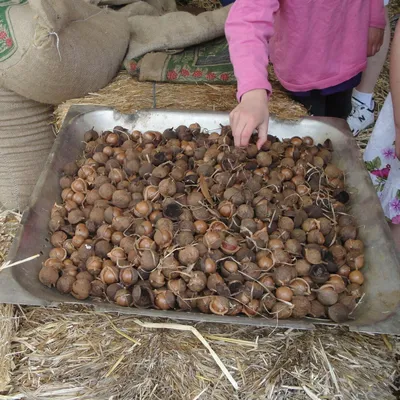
<point x="382" y="163"/>
<point x="205" y="63"/>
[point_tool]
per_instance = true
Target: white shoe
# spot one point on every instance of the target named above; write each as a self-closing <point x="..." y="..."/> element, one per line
<point x="361" y="117"/>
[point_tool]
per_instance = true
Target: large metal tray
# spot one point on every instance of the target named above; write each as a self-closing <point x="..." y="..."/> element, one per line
<point x="376" y="312"/>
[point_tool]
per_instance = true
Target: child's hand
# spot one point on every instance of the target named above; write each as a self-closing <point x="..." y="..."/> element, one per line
<point x="252" y="113"/>
<point x="375" y="40"/>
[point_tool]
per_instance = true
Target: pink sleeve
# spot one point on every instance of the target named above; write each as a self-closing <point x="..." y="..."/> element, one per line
<point x="377" y="14"/>
<point x="248" y="28"/>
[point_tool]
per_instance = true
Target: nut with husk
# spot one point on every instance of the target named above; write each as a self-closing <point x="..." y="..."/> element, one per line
<point x="267" y="302"/>
<point x="163" y="238"/>
<point x="165" y="300"/>
<point x="254" y="289"/>
<point x="299" y="287"/>
<point x="142" y="296"/>
<point x="149" y="260"/>
<point x="188" y="255"/>
<point x="128" y="276"/>
<point x="98" y="288"/>
<point x="327" y="295"/>
<point x="284" y="293"/>
<point x="185" y="300"/>
<point x="337" y="282"/>
<point x="235" y="308"/>
<point x="301" y="306"/>
<point x="219" y="305"/>
<point x="281" y="310"/>
<point x="313" y="256"/>
<point x="123" y="298"/>
<point x="319" y="273"/>
<point x="170" y="267"/>
<point x="212" y="239"/>
<point x="85" y="275"/>
<point x="251" y="308"/>
<point x="177" y="286"/>
<point x="81" y="289"/>
<point x="230" y="245"/>
<point x="157" y="279"/>
<point x="338" y="313"/>
<point x="284" y="274"/>
<point x="109" y="274"/>
<point x="94" y="265"/>
<point x="48" y="276"/>
<point x="317" y="309"/>
<point x="64" y="284"/>
<point x="197" y="282"/>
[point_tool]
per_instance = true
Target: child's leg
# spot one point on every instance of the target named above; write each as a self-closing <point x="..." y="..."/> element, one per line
<point x="362" y="114"/>
<point x="374" y="67"/>
<point x="338" y="105"/>
<point x="314" y="103"/>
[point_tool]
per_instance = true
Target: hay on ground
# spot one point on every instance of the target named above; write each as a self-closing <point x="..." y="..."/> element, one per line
<point x="127" y="95"/>
<point x="73" y="353"/>
<point x="9" y="223"/>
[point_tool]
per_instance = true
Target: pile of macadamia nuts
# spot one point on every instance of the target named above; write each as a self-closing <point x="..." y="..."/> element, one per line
<point x="184" y="220"/>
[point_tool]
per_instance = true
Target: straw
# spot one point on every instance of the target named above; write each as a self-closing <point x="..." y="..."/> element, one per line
<point x="127" y="95"/>
<point x="9" y="223"/>
<point x="73" y="352"/>
<point x="7" y="264"/>
<point x="180" y="327"/>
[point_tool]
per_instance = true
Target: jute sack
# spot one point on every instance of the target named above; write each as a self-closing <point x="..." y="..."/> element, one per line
<point x="26" y="137"/>
<point x="175" y="30"/>
<point x="149" y="7"/>
<point x="140" y="8"/>
<point x="114" y="2"/>
<point x="55" y="50"/>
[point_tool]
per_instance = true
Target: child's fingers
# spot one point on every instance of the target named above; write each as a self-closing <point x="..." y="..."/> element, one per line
<point x="238" y="126"/>
<point x="242" y="133"/>
<point x="233" y="120"/>
<point x="262" y="134"/>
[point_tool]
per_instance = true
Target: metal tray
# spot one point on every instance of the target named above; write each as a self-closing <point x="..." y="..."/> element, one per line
<point x="376" y="313"/>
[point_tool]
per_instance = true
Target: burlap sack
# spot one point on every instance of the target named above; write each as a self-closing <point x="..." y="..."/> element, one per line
<point x="165" y="6"/>
<point x="114" y="2"/>
<point x="140" y="8"/>
<point x="149" y="7"/>
<point x="55" y="50"/>
<point x="175" y="30"/>
<point x="26" y="137"/>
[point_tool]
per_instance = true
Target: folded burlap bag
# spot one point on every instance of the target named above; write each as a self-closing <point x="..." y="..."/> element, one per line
<point x="175" y="30"/>
<point x="149" y="7"/>
<point x="55" y="50"/>
<point x="140" y="8"/>
<point x="114" y="2"/>
<point x="26" y="137"/>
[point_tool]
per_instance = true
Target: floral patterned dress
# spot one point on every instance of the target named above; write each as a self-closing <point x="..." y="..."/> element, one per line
<point x="382" y="163"/>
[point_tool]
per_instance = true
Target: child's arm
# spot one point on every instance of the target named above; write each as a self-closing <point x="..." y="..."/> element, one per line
<point x="377" y="26"/>
<point x="248" y="29"/>
<point x="395" y="84"/>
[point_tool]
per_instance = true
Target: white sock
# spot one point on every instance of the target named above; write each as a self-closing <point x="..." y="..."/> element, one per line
<point x="365" y="98"/>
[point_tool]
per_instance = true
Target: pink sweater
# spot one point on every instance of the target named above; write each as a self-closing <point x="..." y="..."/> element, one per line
<point x="315" y="44"/>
